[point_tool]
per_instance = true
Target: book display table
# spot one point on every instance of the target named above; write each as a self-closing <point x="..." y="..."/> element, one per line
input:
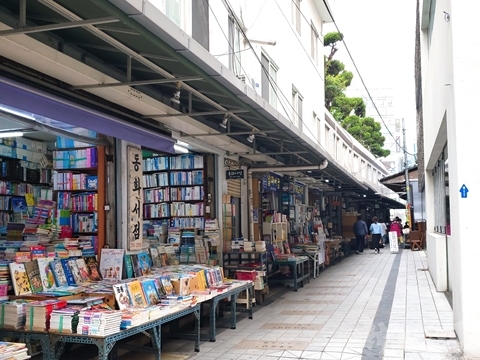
<point x="231" y="293"/>
<point x="298" y="268"/>
<point x="54" y="343"/>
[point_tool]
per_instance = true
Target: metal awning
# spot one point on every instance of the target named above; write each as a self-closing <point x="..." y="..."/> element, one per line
<point x="374" y="196"/>
<point x="396" y="182"/>
<point x="122" y="39"/>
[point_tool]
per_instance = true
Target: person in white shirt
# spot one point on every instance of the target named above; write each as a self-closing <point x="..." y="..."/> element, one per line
<point x="377" y="233"/>
<point x="385" y="233"/>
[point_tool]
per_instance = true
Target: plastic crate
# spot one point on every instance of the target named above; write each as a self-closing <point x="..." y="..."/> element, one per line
<point x="246" y="275"/>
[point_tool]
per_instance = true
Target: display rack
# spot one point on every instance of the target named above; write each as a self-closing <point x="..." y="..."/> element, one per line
<point x="79" y="188"/>
<point x="174" y="191"/>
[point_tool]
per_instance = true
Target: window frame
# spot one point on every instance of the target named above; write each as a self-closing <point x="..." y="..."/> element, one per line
<point x="314" y="43"/>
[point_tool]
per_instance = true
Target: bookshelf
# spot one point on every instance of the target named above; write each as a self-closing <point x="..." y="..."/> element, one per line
<point x="20" y="186"/>
<point x="174" y="191"/>
<point x="79" y="187"/>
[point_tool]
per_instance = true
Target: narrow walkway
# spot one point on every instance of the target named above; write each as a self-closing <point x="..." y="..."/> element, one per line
<point x="366" y="307"/>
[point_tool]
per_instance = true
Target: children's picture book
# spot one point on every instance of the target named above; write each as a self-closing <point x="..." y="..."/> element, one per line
<point x="82" y="269"/>
<point x="33" y="274"/>
<point x="58" y="273"/>
<point x="68" y="272"/>
<point x="20" y="281"/>
<point x="144" y="261"/>
<point x="111" y="263"/>
<point x="167" y="285"/>
<point x="46" y="274"/>
<point x="92" y="268"/>
<point x="122" y="296"/>
<point x="129" y="267"/>
<point x="136" y="293"/>
<point x="150" y="291"/>
<point x="159" y="287"/>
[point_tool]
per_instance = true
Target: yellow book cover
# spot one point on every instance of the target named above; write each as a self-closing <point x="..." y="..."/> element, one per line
<point x="29" y="199"/>
<point x="136" y="294"/>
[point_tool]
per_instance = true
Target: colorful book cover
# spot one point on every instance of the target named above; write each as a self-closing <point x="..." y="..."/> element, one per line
<point x="159" y="287"/>
<point x="144" y="261"/>
<point x="167" y="285"/>
<point x="122" y="296"/>
<point x="20" y="281"/>
<point x="68" y="272"/>
<point x="46" y="274"/>
<point x="136" y="293"/>
<point x="111" y="264"/>
<point x="129" y="267"/>
<point x="156" y="259"/>
<point x="19" y="204"/>
<point x="82" y="269"/>
<point x="92" y="268"/>
<point x="59" y="273"/>
<point x="137" y="270"/>
<point x="33" y="274"/>
<point x="72" y="264"/>
<point x="150" y="291"/>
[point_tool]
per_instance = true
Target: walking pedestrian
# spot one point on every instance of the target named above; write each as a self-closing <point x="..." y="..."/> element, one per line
<point x="360" y="230"/>
<point x="377" y="233"/>
<point x="384" y="234"/>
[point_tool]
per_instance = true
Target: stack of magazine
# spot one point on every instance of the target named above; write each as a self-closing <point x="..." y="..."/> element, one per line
<point x="99" y="322"/>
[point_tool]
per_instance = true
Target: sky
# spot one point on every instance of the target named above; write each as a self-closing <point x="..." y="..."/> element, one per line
<point x="380" y="35"/>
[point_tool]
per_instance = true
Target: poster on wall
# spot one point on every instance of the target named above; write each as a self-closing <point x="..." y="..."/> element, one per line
<point x="134" y="199"/>
<point x="392" y="238"/>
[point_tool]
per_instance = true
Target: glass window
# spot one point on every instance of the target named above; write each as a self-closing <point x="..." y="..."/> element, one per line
<point x="234" y="46"/>
<point x="296" y="15"/>
<point x="297" y="108"/>
<point x="314" y="44"/>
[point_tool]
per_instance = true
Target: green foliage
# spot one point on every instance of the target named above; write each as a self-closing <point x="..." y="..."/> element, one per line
<point x="349" y="112"/>
<point x="367" y="131"/>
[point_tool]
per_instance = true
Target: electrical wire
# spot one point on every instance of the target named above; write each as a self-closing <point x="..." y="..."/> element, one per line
<point x="231" y="45"/>
<point x="363" y="82"/>
<point x="235" y="52"/>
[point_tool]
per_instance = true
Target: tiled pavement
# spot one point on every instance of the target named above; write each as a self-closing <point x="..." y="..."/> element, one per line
<point x="366" y="307"/>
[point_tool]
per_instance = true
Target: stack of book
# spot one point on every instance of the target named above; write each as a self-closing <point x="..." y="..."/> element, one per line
<point x="13" y="314"/>
<point x="15" y="231"/>
<point x="154" y="312"/>
<point x="134" y="317"/>
<point x="13" y="351"/>
<point x="99" y="322"/>
<point x="64" y="320"/>
<point x="5" y="279"/>
<point x="38" y="314"/>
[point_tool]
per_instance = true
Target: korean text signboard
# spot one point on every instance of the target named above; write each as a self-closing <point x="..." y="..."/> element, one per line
<point x="134" y="199"/>
<point x="234" y="174"/>
<point x="393" y="240"/>
<point x="271" y="182"/>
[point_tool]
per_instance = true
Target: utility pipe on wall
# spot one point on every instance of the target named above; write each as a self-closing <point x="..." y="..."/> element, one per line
<point x="250" y="171"/>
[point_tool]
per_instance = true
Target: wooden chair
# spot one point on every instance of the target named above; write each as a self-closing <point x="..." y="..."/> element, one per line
<point x="415" y="240"/>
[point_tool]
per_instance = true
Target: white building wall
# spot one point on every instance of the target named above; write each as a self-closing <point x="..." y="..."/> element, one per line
<point x="450" y="77"/>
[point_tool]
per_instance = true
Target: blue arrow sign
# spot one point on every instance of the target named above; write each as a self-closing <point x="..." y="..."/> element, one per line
<point x="463" y="191"/>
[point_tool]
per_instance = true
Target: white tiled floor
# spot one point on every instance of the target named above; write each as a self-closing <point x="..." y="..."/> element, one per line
<point x="342" y="304"/>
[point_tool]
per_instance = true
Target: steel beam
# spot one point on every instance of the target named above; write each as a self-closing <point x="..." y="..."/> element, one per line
<point x="136" y="83"/>
<point x="232" y="133"/>
<point x="192" y="114"/>
<point x="59" y="26"/>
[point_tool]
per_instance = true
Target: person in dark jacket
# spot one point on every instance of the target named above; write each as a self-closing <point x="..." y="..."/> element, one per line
<point x="360" y="230"/>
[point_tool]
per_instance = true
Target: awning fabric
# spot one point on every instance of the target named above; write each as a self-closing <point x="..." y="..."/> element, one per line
<point x="35" y="101"/>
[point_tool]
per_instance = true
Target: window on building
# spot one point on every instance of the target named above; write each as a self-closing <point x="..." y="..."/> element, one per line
<point x="441" y="199"/>
<point x="234" y="63"/>
<point x="269" y="80"/>
<point x="314" y="44"/>
<point x="319" y="129"/>
<point x="431" y="19"/>
<point x="296" y="15"/>
<point x="173" y="10"/>
<point x="297" y="108"/>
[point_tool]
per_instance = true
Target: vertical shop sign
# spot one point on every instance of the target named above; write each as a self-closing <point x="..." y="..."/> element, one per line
<point x="393" y="240"/>
<point x="134" y="199"/>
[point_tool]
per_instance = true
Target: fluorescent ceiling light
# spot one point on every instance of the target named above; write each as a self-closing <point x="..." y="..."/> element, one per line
<point x="180" y="149"/>
<point x="8" y="134"/>
<point x="181" y="143"/>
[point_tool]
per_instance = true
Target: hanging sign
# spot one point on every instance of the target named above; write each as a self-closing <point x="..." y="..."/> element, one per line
<point x="271" y="182"/>
<point x="134" y="199"/>
<point x="393" y="240"/>
<point x="235" y="174"/>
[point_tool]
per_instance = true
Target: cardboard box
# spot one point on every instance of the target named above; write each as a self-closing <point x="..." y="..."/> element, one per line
<point x="23" y="154"/>
<point x="6" y="151"/>
<point x="226" y="199"/>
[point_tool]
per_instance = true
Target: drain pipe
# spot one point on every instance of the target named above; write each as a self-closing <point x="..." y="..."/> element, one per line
<point x="250" y="172"/>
